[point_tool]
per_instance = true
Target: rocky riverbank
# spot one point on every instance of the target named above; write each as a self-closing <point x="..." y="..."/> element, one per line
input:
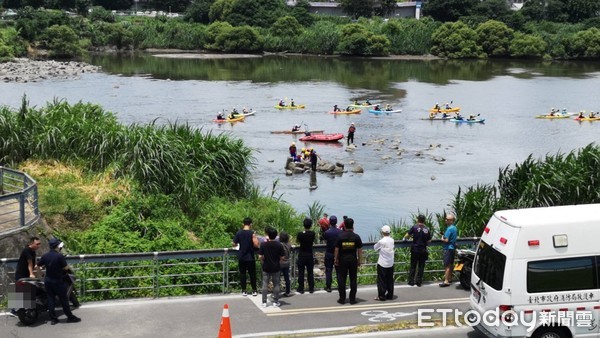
<point x="27" y="70"/>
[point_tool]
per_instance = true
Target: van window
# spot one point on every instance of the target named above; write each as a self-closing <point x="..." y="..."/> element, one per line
<point x="489" y="265"/>
<point x="567" y="274"/>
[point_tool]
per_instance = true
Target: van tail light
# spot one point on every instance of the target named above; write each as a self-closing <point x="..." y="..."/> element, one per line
<point x="486" y="230"/>
<point x="503" y="240"/>
<point x="507" y="317"/>
<point x="533" y="243"/>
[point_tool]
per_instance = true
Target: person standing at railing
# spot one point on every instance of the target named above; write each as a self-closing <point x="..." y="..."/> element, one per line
<point x="306" y="260"/>
<point x="348" y="257"/>
<point x="418" y="250"/>
<point x="385" y="265"/>
<point x="284" y="239"/>
<point x="331" y="236"/>
<point x="449" y="239"/>
<point x="271" y="254"/>
<point x="247" y="241"/>
<point x="26" y="263"/>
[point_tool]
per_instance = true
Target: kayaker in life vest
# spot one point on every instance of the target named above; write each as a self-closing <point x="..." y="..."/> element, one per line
<point x="336" y="109"/>
<point x="295" y="128"/>
<point x="448" y="105"/>
<point x="458" y="116"/>
<point x="431" y="115"/>
<point x="580" y="115"/>
<point x="234" y="111"/>
<point x="471" y="117"/>
<point x="220" y="116"/>
<point x="348" y="108"/>
<point x="281" y="103"/>
<point x="367" y="103"/>
<point x="592" y="115"/>
<point x="244" y="110"/>
<point x="388" y="107"/>
<point x="377" y="108"/>
<point x="437" y="106"/>
<point x="292" y="104"/>
<point x="293" y="150"/>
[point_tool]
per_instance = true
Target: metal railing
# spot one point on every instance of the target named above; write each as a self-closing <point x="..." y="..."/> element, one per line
<point x="159" y="274"/>
<point x="18" y="200"/>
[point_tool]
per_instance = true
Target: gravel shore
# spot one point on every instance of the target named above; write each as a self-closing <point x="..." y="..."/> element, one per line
<point x="27" y="70"/>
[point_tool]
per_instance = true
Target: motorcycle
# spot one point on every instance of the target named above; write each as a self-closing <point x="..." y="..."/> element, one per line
<point x="31" y="297"/>
<point x="464" y="266"/>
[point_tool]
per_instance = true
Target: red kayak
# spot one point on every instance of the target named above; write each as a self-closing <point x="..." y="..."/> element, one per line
<point x="323" y="137"/>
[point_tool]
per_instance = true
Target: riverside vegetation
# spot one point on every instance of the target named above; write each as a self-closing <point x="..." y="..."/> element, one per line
<point x="105" y="187"/>
<point x="477" y="29"/>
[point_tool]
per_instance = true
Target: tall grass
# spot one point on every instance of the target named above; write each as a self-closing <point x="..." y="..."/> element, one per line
<point x="172" y="159"/>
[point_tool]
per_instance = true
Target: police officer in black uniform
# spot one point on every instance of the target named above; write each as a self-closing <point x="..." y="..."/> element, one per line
<point x="348" y="255"/>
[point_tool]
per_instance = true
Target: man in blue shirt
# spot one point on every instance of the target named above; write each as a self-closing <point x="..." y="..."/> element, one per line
<point x="449" y="239"/>
<point x="55" y="265"/>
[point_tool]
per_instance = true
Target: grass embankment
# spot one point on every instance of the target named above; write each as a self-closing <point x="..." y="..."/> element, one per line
<point x="106" y="187"/>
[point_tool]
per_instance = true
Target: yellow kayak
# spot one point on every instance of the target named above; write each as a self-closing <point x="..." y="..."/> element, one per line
<point x="298" y="106"/>
<point x="237" y="119"/>
<point x="442" y="110"/>
<point x="558" y="116"/>
<point x="587" y="118"/>
<point x="346" y="112"/>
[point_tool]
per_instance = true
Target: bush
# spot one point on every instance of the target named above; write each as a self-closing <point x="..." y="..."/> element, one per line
<point x="456" y="40"/>
<point x="495" y="38"/>
<point x="239" y="39"/>
<point x="527" y="46"/>
<point x="62" y="42"/>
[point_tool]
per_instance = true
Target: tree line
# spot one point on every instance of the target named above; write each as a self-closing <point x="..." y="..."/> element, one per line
<point x="472" y="30"/>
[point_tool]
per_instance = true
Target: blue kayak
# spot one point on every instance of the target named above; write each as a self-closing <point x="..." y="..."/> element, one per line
<point x="467" y="121"/>
<point x="373" y="111"/>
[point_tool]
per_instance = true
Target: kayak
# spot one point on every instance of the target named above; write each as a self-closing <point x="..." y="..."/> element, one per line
<point x="296" y="132"/>
<point x="298" y="106"/>
<point x="559" y="116"/>
<point x="362" y="105"/>
<point x="323" y="137"/>
<point x="438" y="118"/>
<point x="451" y="110"/>
<point x="373" y="111"/>
<point x="346" y="112"/>
<point x="237" y="119"/>
<point x="467" y="121"/>
<point x="249" y="113"/>
<point x="587" y="118"/>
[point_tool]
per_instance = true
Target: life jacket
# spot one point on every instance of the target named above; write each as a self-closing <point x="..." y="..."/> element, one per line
<point x="351" y="129"/>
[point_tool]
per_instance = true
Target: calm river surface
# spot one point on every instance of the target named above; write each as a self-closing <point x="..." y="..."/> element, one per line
<point x="507" y="94"/>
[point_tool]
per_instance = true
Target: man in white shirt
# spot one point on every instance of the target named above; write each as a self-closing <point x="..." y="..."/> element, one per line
<point x="385" y="265"/>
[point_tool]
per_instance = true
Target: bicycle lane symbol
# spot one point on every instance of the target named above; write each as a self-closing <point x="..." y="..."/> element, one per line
<point x="380" y="316"/>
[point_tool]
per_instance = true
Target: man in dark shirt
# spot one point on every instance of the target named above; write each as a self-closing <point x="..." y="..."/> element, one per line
<point x="306" y="261"/>
<point x="418" y="250"/>
<point x="26" y="264"/>
<point x="247" y="241"/>
<point x="55" y="265"/>
<point x="330" y="236"/>
<point x="348" y="255"/>
<point x="271" y="254"/>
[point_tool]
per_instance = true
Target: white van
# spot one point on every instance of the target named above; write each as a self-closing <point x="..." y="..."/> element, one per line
<point x="538" y="270"/>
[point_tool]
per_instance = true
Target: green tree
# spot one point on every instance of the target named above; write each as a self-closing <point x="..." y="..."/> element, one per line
<point x="220" y="9"/>
<point x="357" y="40"/>
<point x="101" y="14"/>
<point x="286" y="26"/>
<point x="493" y="9"/>
<point x="357" y="8"/>
<point x="113" y="4"/>
<point x="257" y="13"/>
<point x="171" y="5"/>
<point x="199" y="11"/>
<point x="239" y="39"/>
<point x="301" y="12"/>
<point x="449" y="10"/>
<point x="214" y="30"/>
<point x="455" y="40"/>
<point x="385" y="8"/>
<point x="586" y="44"/>
<point x="62" y="42"/>
<point x="580" y="10"/>
<point x="495" y="38"/>
<point x="551" y="10"/>
<point x="527" y="46"/>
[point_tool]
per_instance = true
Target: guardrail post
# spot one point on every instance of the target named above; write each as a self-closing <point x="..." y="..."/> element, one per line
<point x="156" y="275"/>
<point x="1" y="180"/>
<point x="22" y="210"/>
<point x="3" y="279"/>
<point x="226" y="270"/>
<point x="84" y="278"/>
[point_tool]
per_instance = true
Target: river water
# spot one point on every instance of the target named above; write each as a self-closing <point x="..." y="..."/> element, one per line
<point x="140" y="89"/>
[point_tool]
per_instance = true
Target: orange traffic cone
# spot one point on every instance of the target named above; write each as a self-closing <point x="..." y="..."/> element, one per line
<point x="225" y="330"/>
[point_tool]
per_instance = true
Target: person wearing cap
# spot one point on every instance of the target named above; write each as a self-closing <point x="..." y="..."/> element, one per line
<point x="449" y="239"/>
<point x="347" y="258"/>
<point x="385" y="265"/>
<point x="330" y="236"/>
<point x="418" y="250"/>
<point x="293" y="150"/>
<point x="351" y="131"/>
<point x="306" y="239"/>
<point x="55" y="264"/>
